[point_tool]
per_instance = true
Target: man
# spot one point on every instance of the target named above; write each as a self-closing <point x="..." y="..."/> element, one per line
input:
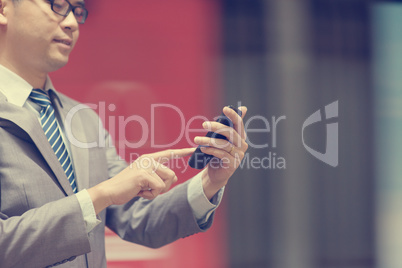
<point x="56" y="197"/>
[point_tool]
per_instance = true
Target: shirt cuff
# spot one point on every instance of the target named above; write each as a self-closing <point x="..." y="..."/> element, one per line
<point x="88" y="210"/>
<point x="201" y="206"/>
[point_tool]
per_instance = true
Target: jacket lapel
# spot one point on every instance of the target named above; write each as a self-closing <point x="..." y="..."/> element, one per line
<point x="75" y="133"/>
<point x="15" y="119"/>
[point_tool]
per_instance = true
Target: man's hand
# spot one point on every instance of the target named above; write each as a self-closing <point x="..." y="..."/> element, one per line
<point x="146" y="177"/>
<point x="228" y="154"/>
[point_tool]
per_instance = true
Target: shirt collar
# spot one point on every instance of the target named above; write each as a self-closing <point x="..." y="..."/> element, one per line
<point x="16" y="89"/>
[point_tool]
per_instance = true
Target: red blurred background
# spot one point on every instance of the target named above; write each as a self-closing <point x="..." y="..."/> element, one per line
<point x="132" y="54"/>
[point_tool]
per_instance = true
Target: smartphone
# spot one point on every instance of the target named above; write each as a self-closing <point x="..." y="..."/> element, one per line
<point x="198" y="159"/>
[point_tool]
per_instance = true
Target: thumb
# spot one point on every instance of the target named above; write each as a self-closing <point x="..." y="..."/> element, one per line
<point x="243" y="111"/>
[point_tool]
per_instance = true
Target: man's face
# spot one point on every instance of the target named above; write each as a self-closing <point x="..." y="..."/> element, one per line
<point x="38" y="39"/>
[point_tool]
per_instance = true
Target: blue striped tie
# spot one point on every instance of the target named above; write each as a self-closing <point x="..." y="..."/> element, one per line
<point x="52" y="132"/>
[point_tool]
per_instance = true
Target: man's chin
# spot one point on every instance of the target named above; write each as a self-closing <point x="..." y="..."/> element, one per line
<point x="56" y="64"/>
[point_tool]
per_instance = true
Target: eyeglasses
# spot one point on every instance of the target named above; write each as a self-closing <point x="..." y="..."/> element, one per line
<point x="64" y="7"/>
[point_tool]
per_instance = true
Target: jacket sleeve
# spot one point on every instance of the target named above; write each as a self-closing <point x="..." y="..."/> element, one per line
<point x="43" y="236"/>
<point x="152" y="223"/>
<point x="155" y="223"/>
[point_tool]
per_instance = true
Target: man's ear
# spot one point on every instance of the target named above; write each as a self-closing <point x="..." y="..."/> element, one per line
<point x="3" y="18"/>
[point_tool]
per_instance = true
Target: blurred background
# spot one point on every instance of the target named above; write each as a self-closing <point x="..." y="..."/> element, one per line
<point x="321" y="183"/>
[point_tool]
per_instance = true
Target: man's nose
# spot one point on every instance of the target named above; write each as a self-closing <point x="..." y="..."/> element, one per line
<point x="70" y="22"/>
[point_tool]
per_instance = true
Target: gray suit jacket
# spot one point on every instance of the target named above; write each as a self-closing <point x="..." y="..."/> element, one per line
<point x="41" y="223"/>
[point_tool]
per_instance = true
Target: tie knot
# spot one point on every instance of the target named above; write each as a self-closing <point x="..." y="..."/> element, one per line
<point x="40" y="97"/>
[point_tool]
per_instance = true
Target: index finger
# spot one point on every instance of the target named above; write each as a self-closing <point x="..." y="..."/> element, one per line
<point x="165" y="156"/>
<point x="237" y="121"/>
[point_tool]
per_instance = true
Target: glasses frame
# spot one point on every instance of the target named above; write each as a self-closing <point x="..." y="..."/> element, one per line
<point x="70" y="8"/>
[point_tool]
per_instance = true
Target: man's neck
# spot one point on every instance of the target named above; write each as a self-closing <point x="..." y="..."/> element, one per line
<point x="36" y="79"/>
